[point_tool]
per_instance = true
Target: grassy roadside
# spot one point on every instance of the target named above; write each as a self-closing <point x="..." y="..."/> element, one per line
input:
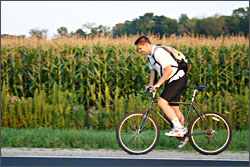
<point x="92" y="139"/>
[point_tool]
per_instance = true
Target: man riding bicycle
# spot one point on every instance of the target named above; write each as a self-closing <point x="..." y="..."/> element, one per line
<point x="161" y="61"/>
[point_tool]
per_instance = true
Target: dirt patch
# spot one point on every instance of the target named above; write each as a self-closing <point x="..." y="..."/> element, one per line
<point x="119" y="153"/>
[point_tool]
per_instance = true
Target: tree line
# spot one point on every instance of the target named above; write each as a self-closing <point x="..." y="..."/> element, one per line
<point x="237" y="23"/>
<point x="217" y="25"/>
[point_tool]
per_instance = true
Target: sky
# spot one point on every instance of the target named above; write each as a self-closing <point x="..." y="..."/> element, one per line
<point x="18" y="17"/>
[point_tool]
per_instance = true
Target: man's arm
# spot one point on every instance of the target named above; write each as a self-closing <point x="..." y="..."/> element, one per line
<point x="152" y="78"/>
<point x="167" y="72"/>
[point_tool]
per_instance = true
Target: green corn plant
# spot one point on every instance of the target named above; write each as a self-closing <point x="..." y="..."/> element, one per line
<point x="98" y="73"/>
<point x="19" y="114"/>
<point x="5" y="107"/>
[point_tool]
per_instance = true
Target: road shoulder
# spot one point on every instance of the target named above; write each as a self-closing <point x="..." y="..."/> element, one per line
<point x="118" y="153"/>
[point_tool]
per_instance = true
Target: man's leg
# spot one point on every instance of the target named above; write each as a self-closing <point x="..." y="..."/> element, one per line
<point x="169" y="111"/>
<point x="181" y="119"/>
<point x="178" y="114"/>
<point x="172" y="92"/>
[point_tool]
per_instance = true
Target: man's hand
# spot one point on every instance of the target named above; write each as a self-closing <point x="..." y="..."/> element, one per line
<point x="148" y="87"/>
<point x="155" y="87"/>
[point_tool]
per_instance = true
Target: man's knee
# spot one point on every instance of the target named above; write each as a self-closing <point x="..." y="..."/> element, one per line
<point x="162" y="102"/>
<point x="175" y="108"/>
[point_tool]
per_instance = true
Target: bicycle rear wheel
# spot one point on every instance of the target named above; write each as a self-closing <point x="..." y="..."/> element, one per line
<point x="133" y="142"/>
<point x="214" y="139"/>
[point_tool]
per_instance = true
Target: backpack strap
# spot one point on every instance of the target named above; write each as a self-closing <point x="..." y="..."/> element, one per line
<point x="156" y="62"/>
<point x="159" y="46"/>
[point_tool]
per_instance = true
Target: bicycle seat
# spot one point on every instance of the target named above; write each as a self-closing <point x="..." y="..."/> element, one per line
<point x="199" y="88"/>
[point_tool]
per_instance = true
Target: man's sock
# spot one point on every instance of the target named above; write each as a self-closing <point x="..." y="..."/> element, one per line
<point x="176" y="122"/>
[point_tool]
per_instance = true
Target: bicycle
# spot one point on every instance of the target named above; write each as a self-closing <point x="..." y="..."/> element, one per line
<point x="209" y="132"/>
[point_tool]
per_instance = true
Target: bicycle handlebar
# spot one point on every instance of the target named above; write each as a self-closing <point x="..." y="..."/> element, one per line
<point x="149" y="89"/>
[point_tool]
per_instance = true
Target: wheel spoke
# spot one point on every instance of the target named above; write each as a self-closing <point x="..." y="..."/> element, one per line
<point x="132" y="141"/>
<point x="212" y="139"/>
<point x="133" y="126"/>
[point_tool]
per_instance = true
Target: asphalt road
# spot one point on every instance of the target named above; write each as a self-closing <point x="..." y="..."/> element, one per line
<point x="43" y="161"/>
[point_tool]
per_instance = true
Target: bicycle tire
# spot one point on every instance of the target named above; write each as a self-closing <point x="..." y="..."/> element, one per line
<point x="149" y="135"/>
<point x="220" y="133"/>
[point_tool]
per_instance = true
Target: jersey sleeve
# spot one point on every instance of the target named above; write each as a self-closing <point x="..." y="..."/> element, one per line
<point x="164" y="58"/>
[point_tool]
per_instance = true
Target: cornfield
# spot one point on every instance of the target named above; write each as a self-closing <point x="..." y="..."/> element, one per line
<point x="93" y="82"/>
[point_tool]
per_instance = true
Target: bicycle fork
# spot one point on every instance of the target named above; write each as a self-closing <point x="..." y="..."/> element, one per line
<point x="143" y="122"/>
<point x="146" y="115"/>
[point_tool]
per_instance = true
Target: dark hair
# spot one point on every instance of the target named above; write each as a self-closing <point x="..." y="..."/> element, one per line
<point x="142" y="40"/>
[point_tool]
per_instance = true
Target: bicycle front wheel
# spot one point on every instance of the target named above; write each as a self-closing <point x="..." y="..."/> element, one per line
<point x="211" y="134"/>
<point x="132" y="141"/>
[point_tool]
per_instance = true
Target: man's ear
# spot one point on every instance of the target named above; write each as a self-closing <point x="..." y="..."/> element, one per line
<point x="149" y="47"/>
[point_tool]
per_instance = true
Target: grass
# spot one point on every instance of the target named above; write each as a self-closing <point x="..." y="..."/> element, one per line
<point x="93" y="139"/>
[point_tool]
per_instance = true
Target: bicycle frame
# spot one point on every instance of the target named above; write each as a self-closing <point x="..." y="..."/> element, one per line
<point x="191" y="105"/>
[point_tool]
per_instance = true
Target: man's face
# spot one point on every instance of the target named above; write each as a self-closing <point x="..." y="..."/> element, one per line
<point x="144" y="49"/>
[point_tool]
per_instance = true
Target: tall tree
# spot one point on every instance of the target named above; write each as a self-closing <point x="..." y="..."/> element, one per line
<point x="159" y="25"/>
<point x="62" y="31"/>
<point x="183" y="19"/>
<point x="89" y="27"/>
<point x="104" y="30"/>
<point x="147" y="23"/>
<point x="231" y="25"/>
<point x="210" y="26"/>
<point x="117" y="29"/>
<point x="183" y="24"/>
<point x="39" y="33"/>
<point x="80" y="32"/>
<point x="243" y="16"/>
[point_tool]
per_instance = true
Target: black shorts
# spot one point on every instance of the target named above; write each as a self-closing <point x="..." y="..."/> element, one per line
<point x="172" y="90"/>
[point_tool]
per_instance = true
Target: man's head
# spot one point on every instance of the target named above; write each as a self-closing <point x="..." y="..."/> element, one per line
<point x="144" y="45"/>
